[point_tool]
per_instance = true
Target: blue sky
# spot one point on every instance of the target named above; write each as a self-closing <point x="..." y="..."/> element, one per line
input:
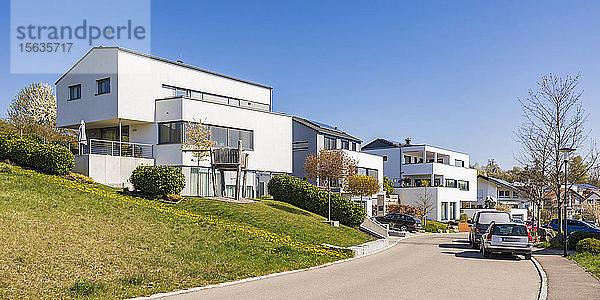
<point x="446" y="73"/>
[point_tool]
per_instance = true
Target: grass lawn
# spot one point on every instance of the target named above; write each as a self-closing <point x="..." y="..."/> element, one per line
<point x="63" y="239"/>
<point x="588" y="261"/>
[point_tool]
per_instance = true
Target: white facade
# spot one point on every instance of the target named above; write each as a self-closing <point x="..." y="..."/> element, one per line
<point x="151" y="100"/>
<point x="497" y="191"/>
<point x="416" y="170"/>
<point x="310" y="137"/>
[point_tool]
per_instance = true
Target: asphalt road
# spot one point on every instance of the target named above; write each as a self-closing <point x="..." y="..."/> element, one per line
<point x="422" y="267"/>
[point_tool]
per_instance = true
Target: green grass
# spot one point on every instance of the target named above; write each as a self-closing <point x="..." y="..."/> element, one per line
<point x="61" y="242"/>
<point x="588" y="261"/>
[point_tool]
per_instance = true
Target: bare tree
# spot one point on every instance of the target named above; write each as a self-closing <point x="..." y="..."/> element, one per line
<point x="424" y="201"/>
<point x="554" y="119"/>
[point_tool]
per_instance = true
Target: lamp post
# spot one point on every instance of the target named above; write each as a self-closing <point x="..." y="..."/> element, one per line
<point x="565" y="152"/>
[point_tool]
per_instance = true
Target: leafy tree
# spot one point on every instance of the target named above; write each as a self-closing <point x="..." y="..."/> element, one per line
<point x="388" y="185"/>
<point x="362" y="185"/>
<point x="197" y="140"/>
<point x="33" y="111"/>
<point x="328" y="166"/>
<point x="579" y="170"/>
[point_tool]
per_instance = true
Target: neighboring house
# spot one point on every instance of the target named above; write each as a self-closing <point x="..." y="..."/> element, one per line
<point x="310" y="137"/>
<point x="418" y="170"/>
<point x="575" y="199"/>
<point x="498" y="191"/>
<point x="136" y="106"/>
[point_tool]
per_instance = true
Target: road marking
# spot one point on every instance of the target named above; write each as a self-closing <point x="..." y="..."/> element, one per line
<point x="543" y="294"/>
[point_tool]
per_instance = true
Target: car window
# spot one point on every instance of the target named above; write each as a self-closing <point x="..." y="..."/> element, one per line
<point x="487" y="218"/>
<point x="510" y="229"/>
<point x="573" y="223"/>
<point x="389" y="217"/>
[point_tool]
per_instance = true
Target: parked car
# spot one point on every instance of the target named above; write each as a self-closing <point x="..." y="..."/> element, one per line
<point x="481" y="221"/>
<point x="512" y="238"/>
<point x="401" y="222"/>
<point x="574" y="225"/>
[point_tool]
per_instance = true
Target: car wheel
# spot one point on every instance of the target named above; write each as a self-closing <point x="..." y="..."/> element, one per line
<point x="528" y="256"/>
<point x="403" y="228"/>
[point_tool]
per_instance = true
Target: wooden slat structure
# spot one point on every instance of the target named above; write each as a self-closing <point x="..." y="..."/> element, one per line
<point x="230" y="159"/>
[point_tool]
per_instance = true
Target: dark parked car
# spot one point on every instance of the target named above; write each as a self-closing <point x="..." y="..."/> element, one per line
<point x="482" y="220"/>
<point x="574" y="225"/>
<point x="400" y="221"/>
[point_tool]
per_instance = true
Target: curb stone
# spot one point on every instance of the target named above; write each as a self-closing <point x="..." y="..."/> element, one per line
<point x="179" y="292"/>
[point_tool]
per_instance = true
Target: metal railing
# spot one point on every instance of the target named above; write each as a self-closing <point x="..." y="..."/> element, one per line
<point x="116" y="148"/>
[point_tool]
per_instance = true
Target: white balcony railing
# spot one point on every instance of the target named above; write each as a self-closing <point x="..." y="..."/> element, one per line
<point x="116" y="148"/>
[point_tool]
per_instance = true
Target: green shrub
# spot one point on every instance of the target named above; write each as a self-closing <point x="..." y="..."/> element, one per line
<point x="21" y="152"/>
<point x="577" y="236"/>
<point x="6" y="144"/>
<point x="432" y="226"/>
<point x="307" y="196"/>
<point x="158" y="181"/>
<point x="52" y="159"/>
<point x="589" y="245"/>
<point x="463" y="218"/>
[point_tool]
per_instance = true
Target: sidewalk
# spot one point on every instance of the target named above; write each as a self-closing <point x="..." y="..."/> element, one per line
<point x="566" y="280"/>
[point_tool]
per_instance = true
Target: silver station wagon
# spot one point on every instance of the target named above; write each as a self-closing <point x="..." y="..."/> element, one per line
<point x="513" y="238"/>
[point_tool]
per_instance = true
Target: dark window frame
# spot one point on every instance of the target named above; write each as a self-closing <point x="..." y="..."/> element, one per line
<point x="99" y="84"/>
<point x="71" y="87"/>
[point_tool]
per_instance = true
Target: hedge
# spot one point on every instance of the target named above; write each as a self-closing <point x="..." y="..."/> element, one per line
<point x="577" y="236"/>
<point x="158" y="181"/>
<point x="29" y="152"/>
<point x="307" y="196"/>
<point x="589" y="245"/>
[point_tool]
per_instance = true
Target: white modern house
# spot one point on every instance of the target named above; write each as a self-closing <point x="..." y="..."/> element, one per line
<point x="136" y="107"/>
<point x="422" y="171"/>
<point x="497" y="191"/>
<point x="310" y="137"/>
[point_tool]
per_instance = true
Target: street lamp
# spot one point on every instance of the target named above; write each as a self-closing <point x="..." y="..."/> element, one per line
<point x="565" y="152"/>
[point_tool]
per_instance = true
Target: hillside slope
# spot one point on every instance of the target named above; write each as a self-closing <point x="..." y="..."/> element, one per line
<point x="65" y="239"/>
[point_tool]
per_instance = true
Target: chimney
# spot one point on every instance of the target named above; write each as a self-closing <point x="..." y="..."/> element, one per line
<point x="408" y="140"/>
<point x="180" y="61"/>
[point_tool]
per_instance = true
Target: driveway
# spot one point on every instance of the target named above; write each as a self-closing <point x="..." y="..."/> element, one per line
<point x="424" y="267"/>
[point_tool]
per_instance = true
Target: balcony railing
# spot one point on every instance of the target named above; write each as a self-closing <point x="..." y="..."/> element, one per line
<point x="229" y="156"/>
<point x="116" y="148"/>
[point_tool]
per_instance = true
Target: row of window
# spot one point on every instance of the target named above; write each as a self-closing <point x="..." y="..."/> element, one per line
<point x="172" y="91"/>
<point x="102" y="87"/>
<point x="506" y="194"/>
<point x="463" y="185"/>
<point x="173" y="133"/>
<point x="419" y="160"/>
<point x="448" y="211"/>
<point x="330" y="143"/>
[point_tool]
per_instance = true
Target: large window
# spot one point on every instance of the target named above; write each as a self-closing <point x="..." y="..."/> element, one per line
<point x="75" y="92"/>
<point x="452" y="211"/>
<point x="353" y="146"/>
<point x="109" y="133"/>
<point x="459" y="163"/>
<point x="444" y="211"/>
<point x="229" y="137"/>
<point x="329" y="143"/>
<point x="451" y="183"/>
<point x="345" y="145"/>
<point x="103" y="86"/>
<point x="503" y="194"/>
<point x="170" y="133"/>
<point x="463" y="185"/>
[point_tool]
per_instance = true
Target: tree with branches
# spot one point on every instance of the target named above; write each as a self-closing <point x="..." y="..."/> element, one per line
<point x="197" y="140"/>
<point x="362" y="185"/>
<point x="554" y="119"/>
<point x="329" y="166"/>
<point x="424" y="201"/>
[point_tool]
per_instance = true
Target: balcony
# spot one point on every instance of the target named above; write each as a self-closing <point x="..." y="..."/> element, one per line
<point x="116" y="148"/>
<point x="229" y="158"/>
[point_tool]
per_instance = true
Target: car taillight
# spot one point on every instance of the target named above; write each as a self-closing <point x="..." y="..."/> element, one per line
<point x="476" y="230"/>
<point x="415" y="225"/>
<point x="529" y="236"/>
<point x="489" y="236"/>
